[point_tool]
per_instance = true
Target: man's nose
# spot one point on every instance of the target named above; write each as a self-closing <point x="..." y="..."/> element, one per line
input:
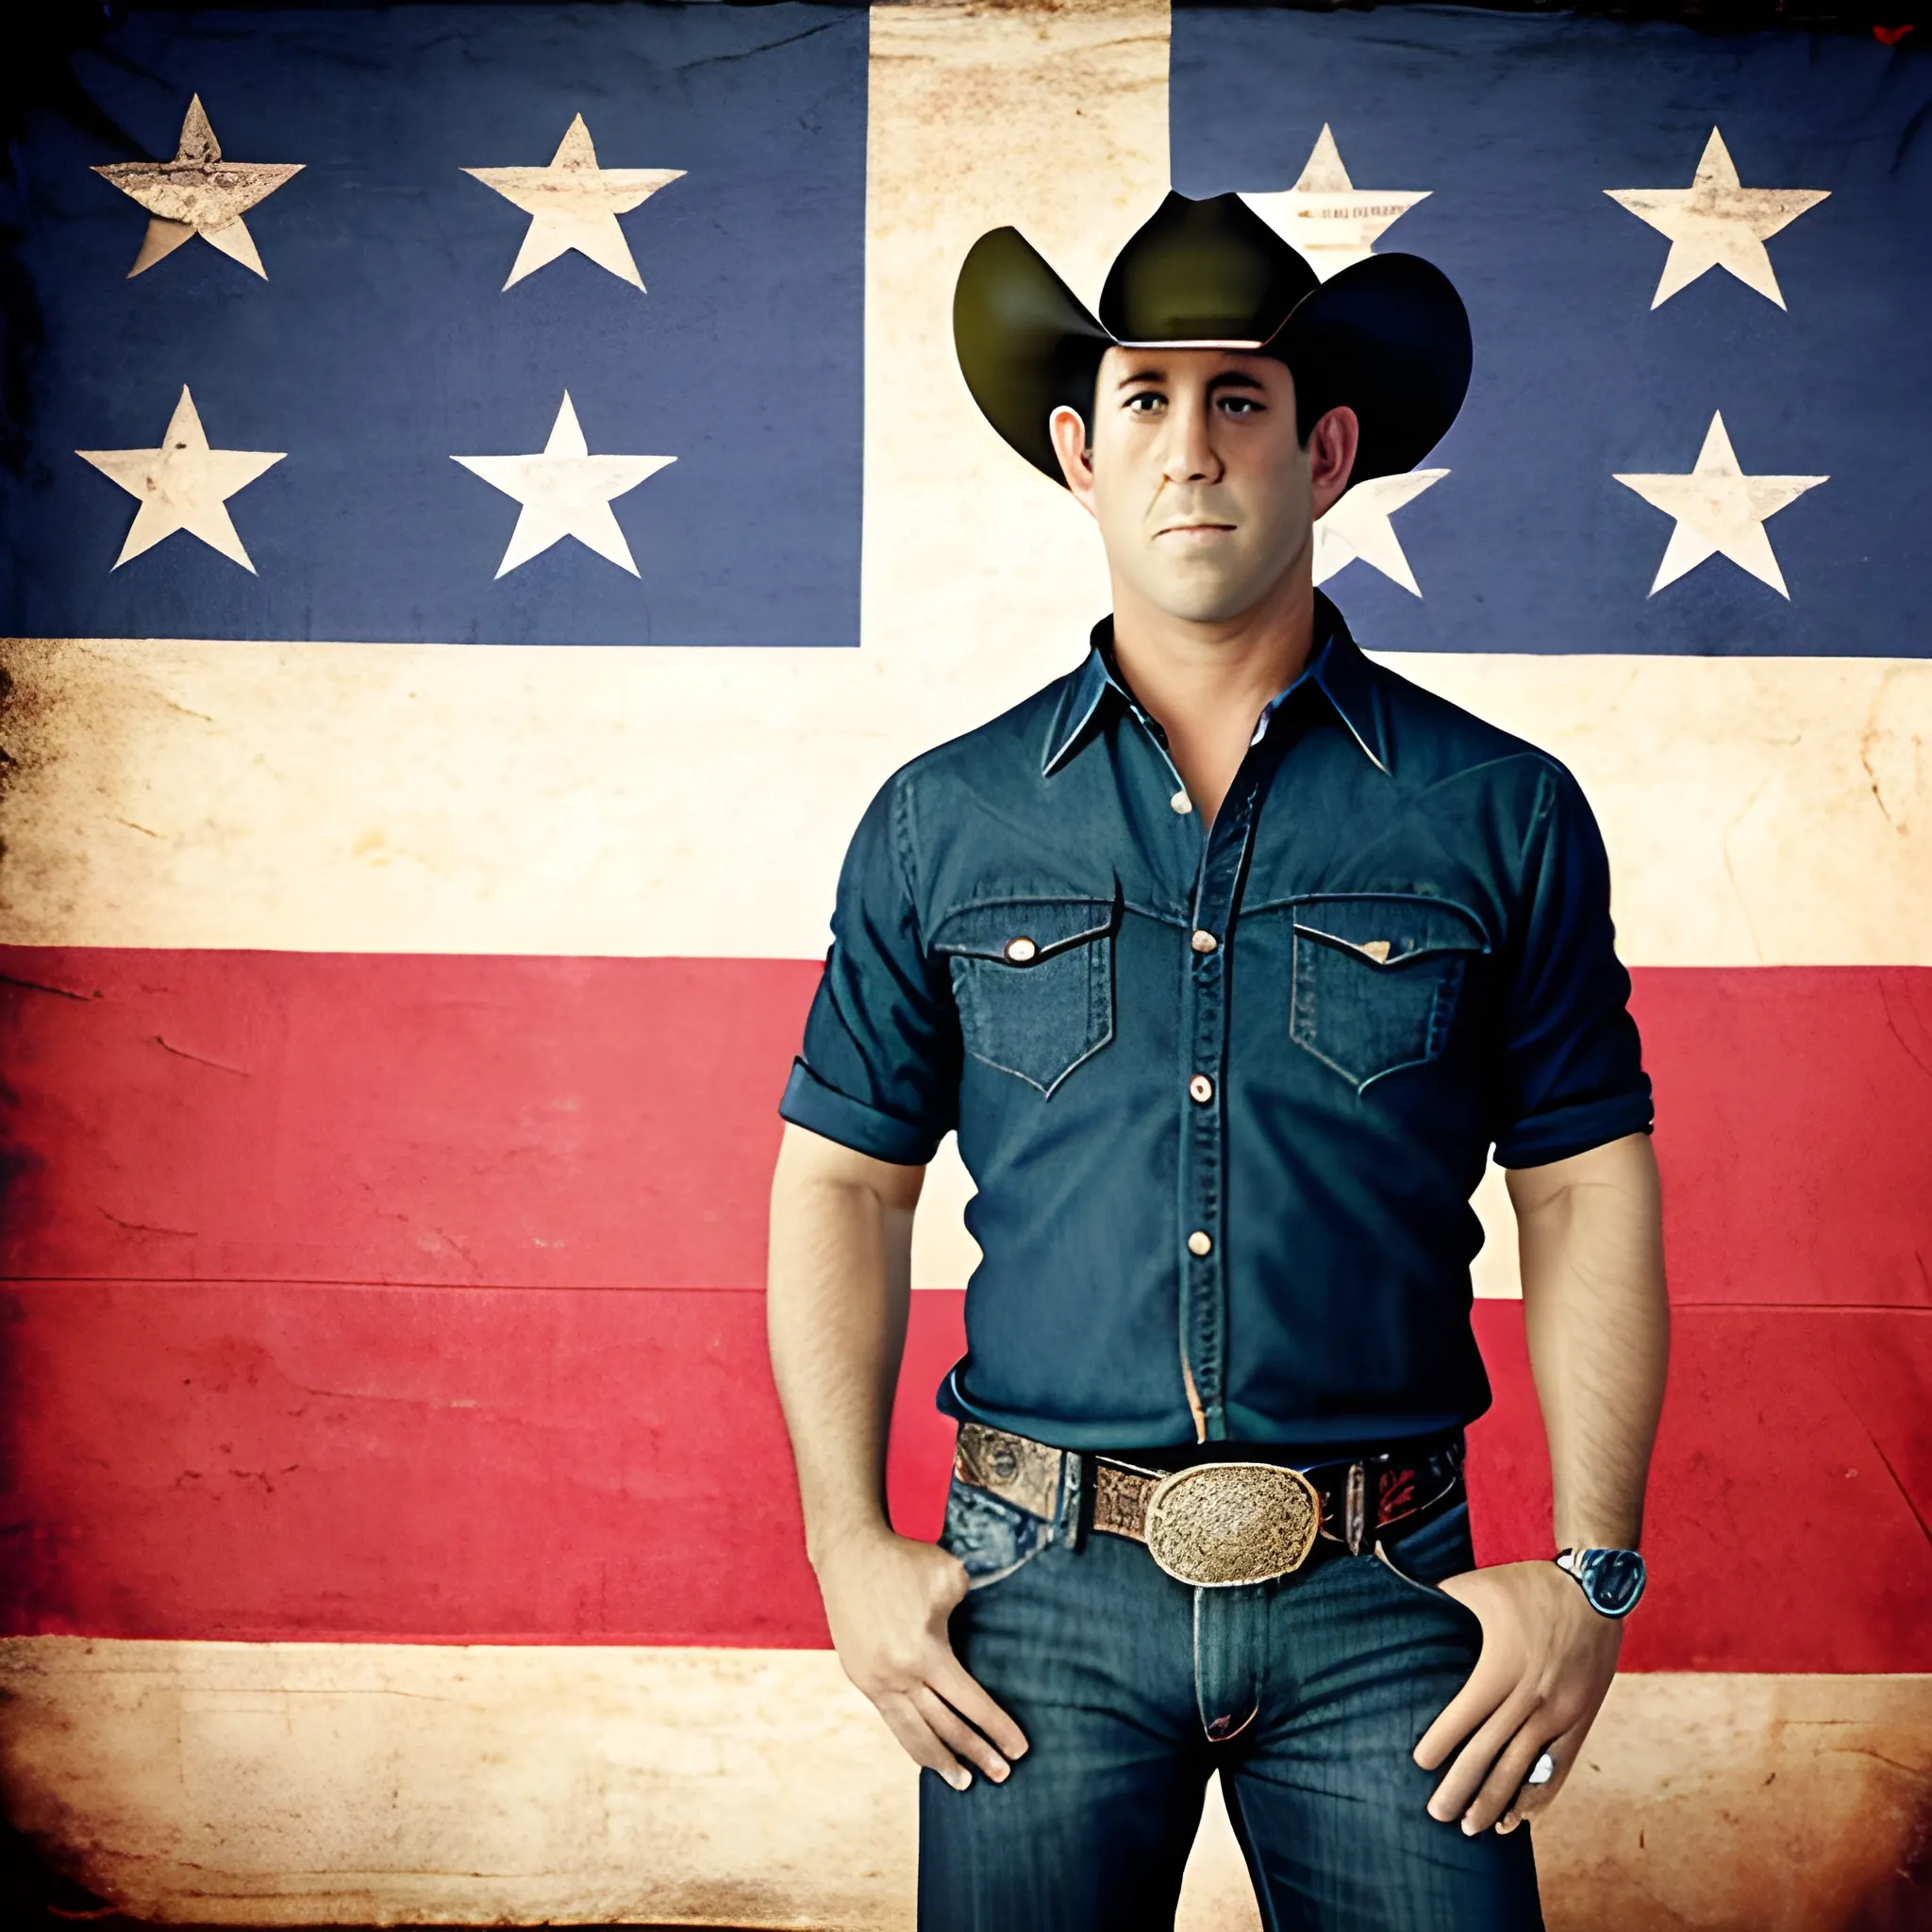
<point x="1190" y="456"/>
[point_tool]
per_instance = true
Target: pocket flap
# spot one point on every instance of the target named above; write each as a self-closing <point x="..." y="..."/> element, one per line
<point x="1388" y="928"/>
<point x="1019" y="931"/>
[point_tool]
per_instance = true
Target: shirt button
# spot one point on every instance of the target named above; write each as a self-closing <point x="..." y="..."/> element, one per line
<point x="1020" y="950"/>
<point x="1204" y="941"/>
<point x="1200" y="1242"/>
<point x="1201" y="1088"/>
<point x="1181" y="803"/>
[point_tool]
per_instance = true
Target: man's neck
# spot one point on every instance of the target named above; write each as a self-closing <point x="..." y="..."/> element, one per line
<point x="1206" y="683"/>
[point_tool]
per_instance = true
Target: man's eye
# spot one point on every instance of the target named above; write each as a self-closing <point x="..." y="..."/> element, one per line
<point x="1146" y="402"/>
<point x="1241" y="405"/>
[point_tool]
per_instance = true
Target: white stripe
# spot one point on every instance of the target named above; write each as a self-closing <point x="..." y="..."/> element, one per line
<point x="387" y="799"/>
<point x="286" y="1783"/>
<point x="1758" y="812"/>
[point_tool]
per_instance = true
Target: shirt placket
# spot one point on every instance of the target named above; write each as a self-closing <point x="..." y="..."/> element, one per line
<point x="1201" y="1207"/>
<point x="1202" y="1204"/>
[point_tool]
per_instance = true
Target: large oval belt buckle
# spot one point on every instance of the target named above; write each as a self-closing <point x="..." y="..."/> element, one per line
<point x="1228" y="1522"/>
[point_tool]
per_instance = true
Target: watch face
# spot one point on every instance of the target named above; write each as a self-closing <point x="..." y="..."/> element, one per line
<point x="1612" y="1579"/>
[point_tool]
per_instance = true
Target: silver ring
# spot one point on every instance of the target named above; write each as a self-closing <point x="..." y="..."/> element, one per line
<point x="1543" y="1771"/>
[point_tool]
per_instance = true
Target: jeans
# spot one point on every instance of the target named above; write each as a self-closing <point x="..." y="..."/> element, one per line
<point x="1307" y="1694"/>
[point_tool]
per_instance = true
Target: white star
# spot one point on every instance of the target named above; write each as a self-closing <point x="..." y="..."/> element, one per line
<point x="183" y="486"/>
<point x="1359" y="526"/>
<point x="1719" y="508"/>
<point x="574" y="204"/>
<point x="1716" y="224"/>
<point x="1324" y="215"/>
<point x="565" y="492"/>
<point x="198" y="193"/>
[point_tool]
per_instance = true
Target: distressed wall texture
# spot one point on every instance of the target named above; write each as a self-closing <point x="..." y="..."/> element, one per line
<point x="392" y="1032"/>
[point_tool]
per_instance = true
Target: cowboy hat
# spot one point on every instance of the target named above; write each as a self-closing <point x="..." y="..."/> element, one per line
<point x="1389" y="336"/>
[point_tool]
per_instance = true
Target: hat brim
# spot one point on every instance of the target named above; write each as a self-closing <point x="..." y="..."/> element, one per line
<point x="1026" y="343"/>
<point x="1389" y="338"/>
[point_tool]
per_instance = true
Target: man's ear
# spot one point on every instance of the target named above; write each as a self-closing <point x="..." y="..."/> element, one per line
<point x="1070" y="443"/>
<point x="1332" y="444"/>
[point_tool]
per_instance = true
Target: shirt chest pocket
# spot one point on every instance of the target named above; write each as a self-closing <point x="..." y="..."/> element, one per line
<point x="1033" y="981"/>
<point x="1376" y="979"/>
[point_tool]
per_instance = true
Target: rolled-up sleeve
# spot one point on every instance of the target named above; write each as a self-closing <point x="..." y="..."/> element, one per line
<point x="880" y="1067"/>
<point x="1573" y="1072"/>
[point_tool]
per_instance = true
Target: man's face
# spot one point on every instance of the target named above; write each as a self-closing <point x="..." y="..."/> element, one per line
<point x="1205" y="498"/>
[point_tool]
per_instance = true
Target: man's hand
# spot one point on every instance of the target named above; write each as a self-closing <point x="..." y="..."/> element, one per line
<point x="888" y="1599"/>
<point x="1545" y="1668"/>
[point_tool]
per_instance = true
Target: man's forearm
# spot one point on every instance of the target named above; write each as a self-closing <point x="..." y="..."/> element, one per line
<point x="1598" y="1326"/>
<point x="841" y="1282"/>
<point x="839" y="1286"/>
<point x="1599" y="1330"/>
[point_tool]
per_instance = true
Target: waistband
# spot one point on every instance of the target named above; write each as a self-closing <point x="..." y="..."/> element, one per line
<point x="1337" y="1507"/>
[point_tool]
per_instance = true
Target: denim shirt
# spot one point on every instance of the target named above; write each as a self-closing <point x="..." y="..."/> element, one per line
<point x="1224" y="1094"/>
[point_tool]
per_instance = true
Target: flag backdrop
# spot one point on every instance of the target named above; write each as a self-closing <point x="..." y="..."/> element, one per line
<point x="419" y="844"/>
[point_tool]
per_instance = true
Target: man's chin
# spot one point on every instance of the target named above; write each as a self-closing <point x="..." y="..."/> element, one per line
<point x="1204" y="603"/>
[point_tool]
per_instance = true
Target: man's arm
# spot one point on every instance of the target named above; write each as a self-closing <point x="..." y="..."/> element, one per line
<point x="838" y="1288"/>
<point x="1598" y="1326"/>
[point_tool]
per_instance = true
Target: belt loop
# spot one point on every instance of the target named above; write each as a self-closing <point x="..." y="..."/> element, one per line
<point x="1354" y="1510"/>
<point x="1079" y="1464"/>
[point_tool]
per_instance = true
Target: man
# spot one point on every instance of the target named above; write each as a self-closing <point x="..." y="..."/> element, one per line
<point x="1230" y="956"/>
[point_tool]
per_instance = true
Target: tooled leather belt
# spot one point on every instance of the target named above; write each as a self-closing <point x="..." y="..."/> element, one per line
<point x="1221" y="1523"/>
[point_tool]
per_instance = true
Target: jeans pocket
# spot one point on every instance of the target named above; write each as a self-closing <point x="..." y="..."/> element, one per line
<point x="991" y="1537"/>
<point x="1442" y="1548"/>
<point x="1033" y="982"/>
<point x="1376" y="980"/>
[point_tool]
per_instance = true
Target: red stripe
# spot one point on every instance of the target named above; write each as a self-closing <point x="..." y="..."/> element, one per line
<point x="1795" y="1131"/>
<point x="269" y="1461"/>
<point x="605" y="1123"/>
<point x="1785" y="1528"/>
<point x="399" y="1117"/>
<point x="274" y="1461"/>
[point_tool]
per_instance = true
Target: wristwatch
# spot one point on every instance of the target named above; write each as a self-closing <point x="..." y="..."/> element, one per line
<point x="1612" y="1580"/>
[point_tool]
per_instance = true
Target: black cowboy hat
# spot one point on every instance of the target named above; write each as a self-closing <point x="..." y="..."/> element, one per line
<point x="1389" y="336"/>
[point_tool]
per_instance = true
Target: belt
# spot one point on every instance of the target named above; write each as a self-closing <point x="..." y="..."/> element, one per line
<point x="1221" y="1523"/>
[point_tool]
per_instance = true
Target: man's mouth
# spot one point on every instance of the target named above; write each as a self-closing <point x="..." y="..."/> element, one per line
<point x="1195" y="530"/>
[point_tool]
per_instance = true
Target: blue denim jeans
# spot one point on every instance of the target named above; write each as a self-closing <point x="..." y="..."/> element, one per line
<point x="1307" y="1694"/>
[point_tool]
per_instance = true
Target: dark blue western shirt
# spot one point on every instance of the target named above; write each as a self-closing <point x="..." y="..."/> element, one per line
<point x="1224" y="1094"/>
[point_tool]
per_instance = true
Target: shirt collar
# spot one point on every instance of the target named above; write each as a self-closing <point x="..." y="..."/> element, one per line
<point x="1336" y="665"/>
